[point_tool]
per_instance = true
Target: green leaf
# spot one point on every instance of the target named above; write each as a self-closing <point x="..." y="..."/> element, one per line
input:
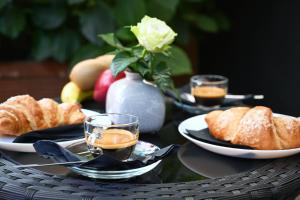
<point x="111" y="39"/>
<point x="12" y="22"/>
<point x="96" y="20"/>
<point x="121" y="61"/>
<point x="59" y="45"/>
<point x="162" y="69"/>
<point x="178" y="61"/>
<point x="64" y="44"/>
<point x="223" y="22"/>
<point x="138" y="51"/>
<point x="88" y="51"/>
<point x="3" y="3"/>
<point x="125" y="33"/>
<point x="207" y="23"/>
<point x="73" y="2"/>
<point x="142" y="69"/>
<point x="41" y="48"/>
<point x="162" y="9"/>
<point x="162" y="76"/>
<point x="49" y="16"/>
<point x="129" y="12"/>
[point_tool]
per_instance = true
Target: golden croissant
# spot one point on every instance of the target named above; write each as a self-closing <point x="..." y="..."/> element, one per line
<point x="255" y="127"/>
<point x="21" y="114"/>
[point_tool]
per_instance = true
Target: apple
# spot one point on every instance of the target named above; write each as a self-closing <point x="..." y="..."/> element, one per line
<point x="104" y="80"/>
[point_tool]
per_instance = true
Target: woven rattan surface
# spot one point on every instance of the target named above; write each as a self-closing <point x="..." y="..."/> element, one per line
<point x="278" y="179"/>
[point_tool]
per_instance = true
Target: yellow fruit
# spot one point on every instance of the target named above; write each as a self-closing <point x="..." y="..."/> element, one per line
<point x="71" y="93"/>
<point x="86" y="72"/>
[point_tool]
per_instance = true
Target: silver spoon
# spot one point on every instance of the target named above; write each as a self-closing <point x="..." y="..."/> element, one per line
<point x="49" y="164"/>
<point x="190" y="98"/>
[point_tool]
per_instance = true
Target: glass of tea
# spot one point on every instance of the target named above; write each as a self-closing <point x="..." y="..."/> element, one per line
<point x="112" y="134"/>
<point x="209" y="90"/>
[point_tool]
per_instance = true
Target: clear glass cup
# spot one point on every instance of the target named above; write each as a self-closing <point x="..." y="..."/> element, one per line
<point x="112" y="134"/>
<point x="209" y="90"/>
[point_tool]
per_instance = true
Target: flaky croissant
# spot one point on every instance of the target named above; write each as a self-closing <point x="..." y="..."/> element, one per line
<point x="256" y="127"/>
<point x="21" y="114"/>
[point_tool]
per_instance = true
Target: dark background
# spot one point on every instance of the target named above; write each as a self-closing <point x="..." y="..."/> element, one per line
<point x="261" y="52"/>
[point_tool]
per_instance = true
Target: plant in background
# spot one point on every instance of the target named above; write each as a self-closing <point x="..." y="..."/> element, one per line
<point x="66" y="30"/>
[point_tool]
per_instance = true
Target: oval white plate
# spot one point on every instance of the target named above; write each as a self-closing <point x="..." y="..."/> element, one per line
<point x="6" y="142"/>
<point x="198" y="123"/>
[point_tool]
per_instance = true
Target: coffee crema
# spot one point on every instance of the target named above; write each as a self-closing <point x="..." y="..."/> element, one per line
<point x="117" y="143"/>
<point x="208" y="96"/>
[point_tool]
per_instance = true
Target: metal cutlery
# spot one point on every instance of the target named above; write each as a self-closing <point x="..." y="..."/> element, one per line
<point x="50" y="164"/>
<point x="190" y="98"/>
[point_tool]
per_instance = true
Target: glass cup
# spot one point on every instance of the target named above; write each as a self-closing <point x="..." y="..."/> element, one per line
<point x="209" y="90"/>
<point x="112" y="134"/>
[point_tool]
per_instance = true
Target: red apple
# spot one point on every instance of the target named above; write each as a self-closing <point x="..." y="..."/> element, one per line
<point x="104" y="80"/>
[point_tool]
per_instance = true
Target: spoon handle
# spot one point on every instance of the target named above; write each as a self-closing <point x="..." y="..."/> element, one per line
<point x="49" y="164"/>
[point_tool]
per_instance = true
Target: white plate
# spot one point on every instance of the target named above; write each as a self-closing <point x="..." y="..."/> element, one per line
<point x="198" y="123"/>
<point x="6" y="142"/>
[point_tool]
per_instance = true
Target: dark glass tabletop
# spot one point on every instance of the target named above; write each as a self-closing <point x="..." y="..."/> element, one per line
<point x="190" y="163"/>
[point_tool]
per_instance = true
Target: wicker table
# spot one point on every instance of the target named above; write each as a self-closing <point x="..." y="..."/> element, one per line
<point x="176" y="178"/>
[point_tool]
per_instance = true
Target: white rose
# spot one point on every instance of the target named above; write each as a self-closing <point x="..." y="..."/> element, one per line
<point x="153" y="34"/>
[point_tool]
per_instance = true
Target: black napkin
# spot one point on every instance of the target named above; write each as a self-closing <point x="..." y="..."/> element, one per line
<point x="205" y="136"/>
<point x="58" y="134"/>
<point x="49" y="149"/>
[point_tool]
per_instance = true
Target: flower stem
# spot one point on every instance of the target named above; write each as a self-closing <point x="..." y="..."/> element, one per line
<point x="144" y="53"/>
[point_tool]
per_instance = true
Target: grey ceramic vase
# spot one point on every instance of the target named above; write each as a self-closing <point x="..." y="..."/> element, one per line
<point x="134" y="96"/>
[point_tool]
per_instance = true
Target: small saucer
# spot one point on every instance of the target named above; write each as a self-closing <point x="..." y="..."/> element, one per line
<point x="195" y="109"/>
<point x="187" y="105"/>
<point x="142" y="149"/>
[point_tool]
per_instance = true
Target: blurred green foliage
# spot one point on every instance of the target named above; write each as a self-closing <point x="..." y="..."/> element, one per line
<point x="67" y="30"/>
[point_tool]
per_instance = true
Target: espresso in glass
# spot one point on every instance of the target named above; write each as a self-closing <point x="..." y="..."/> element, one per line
<point x="112" y="134"/>
<point x="208" y="96"/>
<point x="209" y="90"/>
<point x="117" y="143"/>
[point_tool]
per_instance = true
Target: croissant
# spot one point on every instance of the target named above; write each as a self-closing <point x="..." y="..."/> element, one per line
<point x="21" y="114"/>
<point x="256" y="127"/>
